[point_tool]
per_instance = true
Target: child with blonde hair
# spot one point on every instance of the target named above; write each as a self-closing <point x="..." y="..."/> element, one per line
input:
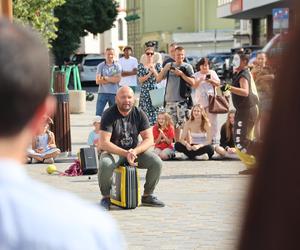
<point x="163" y="133"/>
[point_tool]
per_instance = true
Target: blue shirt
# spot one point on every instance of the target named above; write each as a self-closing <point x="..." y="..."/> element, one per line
<point x="104" y="69"/>
<point x="92" y="137"/>
<point x="35" y="216"/>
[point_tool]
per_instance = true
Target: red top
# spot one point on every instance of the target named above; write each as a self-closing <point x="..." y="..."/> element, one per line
<point x="169" y="132"/>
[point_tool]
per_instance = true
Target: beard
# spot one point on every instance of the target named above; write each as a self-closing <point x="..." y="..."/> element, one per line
<point x="125" y="107"/>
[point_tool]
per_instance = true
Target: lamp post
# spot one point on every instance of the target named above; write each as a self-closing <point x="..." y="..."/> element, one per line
<point x="6" y="9"/>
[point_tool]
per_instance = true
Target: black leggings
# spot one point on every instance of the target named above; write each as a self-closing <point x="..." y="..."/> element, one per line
<point x="207" y="149"/>
<point x="244" y="122"/>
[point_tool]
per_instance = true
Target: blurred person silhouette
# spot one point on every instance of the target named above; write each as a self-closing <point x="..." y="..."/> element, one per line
<point x="34" y="215"/>
<point x="263" y="76"/>
<point x="272" y="214"/>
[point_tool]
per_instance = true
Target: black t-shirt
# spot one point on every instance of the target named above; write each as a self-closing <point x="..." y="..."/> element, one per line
<point x="243" y="102"/>
<point x="124" y="129"/>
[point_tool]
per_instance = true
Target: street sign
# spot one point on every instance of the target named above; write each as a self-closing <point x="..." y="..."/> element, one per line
<point x="280" y="19"/>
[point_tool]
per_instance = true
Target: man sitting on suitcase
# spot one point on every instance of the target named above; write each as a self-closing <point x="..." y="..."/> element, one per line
<point x="121" y="125"/>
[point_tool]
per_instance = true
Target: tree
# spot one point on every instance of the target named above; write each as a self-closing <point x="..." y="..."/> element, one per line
<point x="39" y="15"/>
<point x="76" y="18"/>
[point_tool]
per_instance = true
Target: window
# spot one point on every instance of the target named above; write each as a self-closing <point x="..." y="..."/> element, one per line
<point x="120" y="29"/>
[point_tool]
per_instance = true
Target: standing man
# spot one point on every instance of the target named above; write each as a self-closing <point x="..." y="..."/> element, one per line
<point x="129" y="66"/>
<point x="108" y="77"/>
<point x="120" y="127"/>
<point x="177" y="106"/>
<point x="171" y="56"/>
<point x="34" y="215"/>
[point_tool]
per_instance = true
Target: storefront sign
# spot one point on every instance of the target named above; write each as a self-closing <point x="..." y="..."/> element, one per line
<point x="280" y="19"/>
<point x="236" y="6"/>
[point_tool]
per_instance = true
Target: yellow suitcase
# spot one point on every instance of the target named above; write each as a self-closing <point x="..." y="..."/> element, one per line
<point x="125" y="188"/>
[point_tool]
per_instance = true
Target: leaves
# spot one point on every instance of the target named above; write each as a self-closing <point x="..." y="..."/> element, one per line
<point x="76" y="18"/>
<point x="39" y="15"/>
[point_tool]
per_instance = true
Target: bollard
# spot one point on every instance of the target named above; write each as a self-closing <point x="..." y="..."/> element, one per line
<point x="61" y="126"/>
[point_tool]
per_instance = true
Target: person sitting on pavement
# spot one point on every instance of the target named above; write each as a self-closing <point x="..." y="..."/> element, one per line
<point x="195" y="139"/>
<point x="44" y="148"/>
<point x="227" y="147"/>
<point x="163" y="133"/>
<point x="94" y="135"/>
<point x="121" y="126"/>
<point x="33" y="214"/>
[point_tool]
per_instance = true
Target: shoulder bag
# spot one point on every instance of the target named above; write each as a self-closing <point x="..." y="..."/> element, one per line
<point x="218" y="104"/>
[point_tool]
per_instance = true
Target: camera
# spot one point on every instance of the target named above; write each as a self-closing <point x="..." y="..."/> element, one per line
<point x="207" y="77"/>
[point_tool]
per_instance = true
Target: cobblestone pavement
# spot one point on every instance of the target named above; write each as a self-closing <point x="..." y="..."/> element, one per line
<point x="204" y="199"/>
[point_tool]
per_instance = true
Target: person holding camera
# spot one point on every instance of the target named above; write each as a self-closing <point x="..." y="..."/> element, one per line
<point x="176" y="104"/>
<point x="206" y="80"/>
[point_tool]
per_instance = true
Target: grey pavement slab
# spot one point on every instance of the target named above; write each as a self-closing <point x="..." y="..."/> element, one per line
<point x="204" y="199"/>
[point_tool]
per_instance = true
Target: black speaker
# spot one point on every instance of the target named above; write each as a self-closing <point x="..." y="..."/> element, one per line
<point x="89" y="160"/>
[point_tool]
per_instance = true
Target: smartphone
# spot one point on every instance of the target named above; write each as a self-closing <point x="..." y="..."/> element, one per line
<point x="207" y="77"/>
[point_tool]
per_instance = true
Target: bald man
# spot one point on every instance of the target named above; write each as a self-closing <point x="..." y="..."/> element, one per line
<point x="121" y="125"/>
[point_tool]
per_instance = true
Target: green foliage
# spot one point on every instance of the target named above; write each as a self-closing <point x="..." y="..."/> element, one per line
<point x="76" y="18"/>
<point x="39" y="15"/>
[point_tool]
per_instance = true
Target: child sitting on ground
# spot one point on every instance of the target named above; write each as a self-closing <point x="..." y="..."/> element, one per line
<point x="163" y="133"/>
<point x="43" y="145"/>
<point x="95" y="133"/>
<point x="227" y="147"/>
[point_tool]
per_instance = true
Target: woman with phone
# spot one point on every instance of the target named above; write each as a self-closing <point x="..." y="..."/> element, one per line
<point x="206" y="80"/>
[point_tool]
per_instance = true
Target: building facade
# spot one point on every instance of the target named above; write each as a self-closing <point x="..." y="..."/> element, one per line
<point x="257" y="12"/>
<point x="191" y="23"/>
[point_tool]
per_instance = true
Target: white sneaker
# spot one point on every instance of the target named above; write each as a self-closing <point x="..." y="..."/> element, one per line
<point x="49" y="161"/>
<point x="202" y="157"/>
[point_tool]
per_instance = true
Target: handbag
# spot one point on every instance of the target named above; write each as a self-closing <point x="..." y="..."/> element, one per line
<point x="157" y="96"/>
<point x="218" y="104"/>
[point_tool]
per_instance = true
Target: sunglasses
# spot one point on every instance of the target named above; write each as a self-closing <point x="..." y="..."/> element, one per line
<point x="149" y="54"/>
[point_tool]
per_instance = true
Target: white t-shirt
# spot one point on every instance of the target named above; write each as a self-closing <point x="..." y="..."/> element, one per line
<point x="205" y="88"/>
<point x="128" y="65"/>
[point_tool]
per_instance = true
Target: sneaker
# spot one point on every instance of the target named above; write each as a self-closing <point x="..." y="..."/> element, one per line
<point x="105" y="203"/>
<point x="202" y="157"/>
<point x="152" y="201"/>
<point x="49" y="161"/>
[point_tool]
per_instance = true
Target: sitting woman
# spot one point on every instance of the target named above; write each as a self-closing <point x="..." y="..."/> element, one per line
<point x="195" y="139"/>
<point x="227" y="147"/>
<point x="163" y="133"/>
<point x="43" y="146"/>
